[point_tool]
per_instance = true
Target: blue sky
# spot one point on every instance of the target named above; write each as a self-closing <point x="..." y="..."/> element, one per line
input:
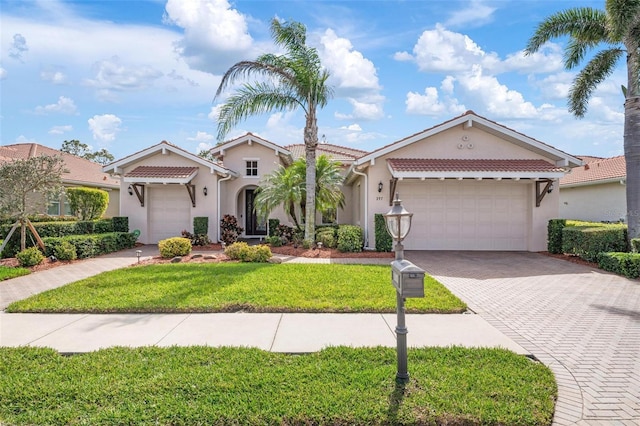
<point x="125" y="75"/>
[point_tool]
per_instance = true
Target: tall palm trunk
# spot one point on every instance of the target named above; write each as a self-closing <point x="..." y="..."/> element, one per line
<point x="310" y="144"/>
<point x="632" y="140"/>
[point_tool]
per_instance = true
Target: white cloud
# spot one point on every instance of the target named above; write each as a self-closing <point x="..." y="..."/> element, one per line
<point x="547" y="59"/>
<point x="215" y="34"/>
<point x="202" y="137"/>
<point x="362" y="110"/>
<point x="204" y="146"/>
<point x="475" y="14"/>
<point x="113" y="75"/>
<point x="104" y="127"/>
<point x="431" y="104"/>
<point x="56" y="77"/>
<point x="352" y="127"/>
<point x="403" y="56"/>
<point x="215" y="112"/>
<point x="3" y="73"/>
<point x="59" y="130"/>
<point x="63" y="106"/>
<point x="18" y="47"/>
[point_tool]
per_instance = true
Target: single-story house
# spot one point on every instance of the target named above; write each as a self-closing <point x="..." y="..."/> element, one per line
<point x="596" y="191"/>
<point x="471" y="183"/>
<point x="79" y="172"/>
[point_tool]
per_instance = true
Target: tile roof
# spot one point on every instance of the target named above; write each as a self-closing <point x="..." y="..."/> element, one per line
<point x="335" y="152"/>
<point x="597" y="169"/>
<point x="80" y="171"/>
<point x="454" y="165"/>
<point x="161" y="172"/>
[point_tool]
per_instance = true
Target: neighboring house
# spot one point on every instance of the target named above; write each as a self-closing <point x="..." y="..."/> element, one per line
<point x="471" y="183"/>
<point x="79" y="172"/>
<point x="596" y="191"/>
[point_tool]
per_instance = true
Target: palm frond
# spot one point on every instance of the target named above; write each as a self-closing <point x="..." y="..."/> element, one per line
<point x="623" y="15"/>
<point x="594" y="73"/>
<point x="585" y="24"/>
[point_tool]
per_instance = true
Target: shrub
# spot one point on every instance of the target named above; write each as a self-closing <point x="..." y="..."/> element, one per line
<point x="327" y="236"/>
<point x="554" y="235"/>
<point x="350" y="238"/>
<point x="88" y="203"/>
<point x="274" y="241"/>
<point x="91" y="245"/>
<point x="103" y="226"/>
<point x="120" y="224"/>
<point x="384" y="242"/>
<point x="245" y="253"/>
<point x="197" y="239"/>
<point x="84" y="227"/>
<point x="201" y="226"/>
<point x="284" y="232"/>
<point x="229" y="229"/>
<point x="31" y="256"/>
<point x="627" y="264"/>
<point x="589" y="241"/>
<point x="176" y="246"/>
<point x="635" y="245"/>
<point x="65" y="251"/>
<point x="273" y="224"/>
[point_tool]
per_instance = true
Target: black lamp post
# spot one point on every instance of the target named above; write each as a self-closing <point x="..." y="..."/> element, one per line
<point x="398" y="222"/>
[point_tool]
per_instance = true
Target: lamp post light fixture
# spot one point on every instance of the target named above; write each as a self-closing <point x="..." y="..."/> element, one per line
<point x="138" y="253"/>
<point x="407" y="278"/>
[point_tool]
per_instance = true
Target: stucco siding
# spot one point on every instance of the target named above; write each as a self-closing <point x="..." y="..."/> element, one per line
<point x="601" y="202"/>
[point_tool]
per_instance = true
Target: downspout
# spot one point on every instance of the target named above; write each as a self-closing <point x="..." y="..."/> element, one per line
<point x="366" y="207"/>
<point x="218" y="202"/>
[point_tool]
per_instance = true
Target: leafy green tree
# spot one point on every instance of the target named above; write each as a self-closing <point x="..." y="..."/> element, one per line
<point x="27" y="186"/>
<point x="88" y="203"/>
<point x="617" y="30"/>
<point x="286" y="186"/>
<point x="207" y="155"/>
<point x="82" y="150"/>
<point x="101" y="157"/>
<point x="285" y="82"/>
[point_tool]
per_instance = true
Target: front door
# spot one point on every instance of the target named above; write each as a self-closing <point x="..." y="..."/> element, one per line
<point x="252" y="226"/>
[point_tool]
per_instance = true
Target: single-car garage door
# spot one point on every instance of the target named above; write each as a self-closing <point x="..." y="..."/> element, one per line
<point x="466" y="214"/>
<point x="169" y="211"/>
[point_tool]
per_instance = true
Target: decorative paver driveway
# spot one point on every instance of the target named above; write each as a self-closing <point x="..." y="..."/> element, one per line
<point x="581" y="322"/>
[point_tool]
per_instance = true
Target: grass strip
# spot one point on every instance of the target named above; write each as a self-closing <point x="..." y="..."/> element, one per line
<point x="229" y="287"/>
<point x="7" y="272"/>
<point x="244" y="386"/>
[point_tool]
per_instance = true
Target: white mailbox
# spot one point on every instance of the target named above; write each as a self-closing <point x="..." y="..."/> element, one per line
<point x="407" y="278"/>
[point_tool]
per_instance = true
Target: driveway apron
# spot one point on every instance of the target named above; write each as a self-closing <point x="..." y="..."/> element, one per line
<point x="583" y="323"/>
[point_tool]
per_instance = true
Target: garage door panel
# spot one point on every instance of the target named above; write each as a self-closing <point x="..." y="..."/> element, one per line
<point x="169" y="211"/>
<point x="467" y="215"/>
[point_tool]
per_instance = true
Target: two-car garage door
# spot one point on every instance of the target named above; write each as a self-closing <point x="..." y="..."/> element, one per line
<point x="467" y="214"/>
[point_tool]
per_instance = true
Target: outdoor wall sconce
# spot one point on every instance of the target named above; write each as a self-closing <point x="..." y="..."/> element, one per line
<point x="205" y="191"/>
<point x="550" y="190"/>
<point x="130" y="190"/>
<point x="380" y="185"/>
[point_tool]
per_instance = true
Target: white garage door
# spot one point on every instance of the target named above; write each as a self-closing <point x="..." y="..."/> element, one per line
<point x="466" y="215"/>
<point x="169" y="211"/>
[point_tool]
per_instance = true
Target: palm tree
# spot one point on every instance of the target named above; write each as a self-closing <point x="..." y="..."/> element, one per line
<point x="293" y="80"/>
<point x="287" y="187"/>
<point x="617" y="28"/>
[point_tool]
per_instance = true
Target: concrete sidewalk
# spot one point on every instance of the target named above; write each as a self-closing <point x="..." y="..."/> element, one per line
<point x="291" y="333"/>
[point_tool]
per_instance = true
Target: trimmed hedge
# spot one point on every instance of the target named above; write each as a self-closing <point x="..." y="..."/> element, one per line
<point x="635" y="245"/>
<point x="589" y="241"/>
<point x="384" y="242"/>
<point x="245" y="253"/>
<point x="87" y="203"/>
<point x="554" y="235"/>
<point x="120" y="223"/>
<point x="90" y="245"/>
<point x="627" y="264"/>
<point x="350" y="238"/>
<point x="201" y="225"/>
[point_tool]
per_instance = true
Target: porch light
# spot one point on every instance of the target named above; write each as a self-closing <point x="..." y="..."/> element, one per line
<point x="380" y="185"/>
<point x="205" y="191"/>
<point x="130" y="190"/>
<point x="550" y="190"/>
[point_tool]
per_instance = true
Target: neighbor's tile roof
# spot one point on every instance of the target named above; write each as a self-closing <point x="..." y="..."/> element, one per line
<point x="454" y="165"/>
<point x="78" y="169"/>
<point x="335" y="152"/>
<point x="597" y="169"/>
<point x="161" y="172"/>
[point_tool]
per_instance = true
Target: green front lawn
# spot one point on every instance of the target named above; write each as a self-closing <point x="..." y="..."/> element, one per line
<point x="7" y="272"/>
<point x="336" y="386"/>
<point x="228" y="287"/>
